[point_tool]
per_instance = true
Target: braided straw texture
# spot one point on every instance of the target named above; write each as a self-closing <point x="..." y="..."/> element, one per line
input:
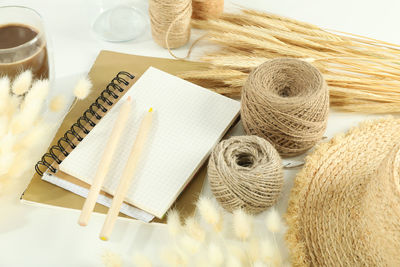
<point x="245" y="172"/>
<point x="286" y="101"/>
<point x="207" y="9"/>
<point x="344" y="208"/>
<point x="170" y="22"/>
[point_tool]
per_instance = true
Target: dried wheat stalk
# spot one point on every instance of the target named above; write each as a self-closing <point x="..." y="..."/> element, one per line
<point x="363" y="73"/>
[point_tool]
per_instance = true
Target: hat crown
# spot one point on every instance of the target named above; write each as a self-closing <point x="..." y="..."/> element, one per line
<point x="344" y="208"/>
<point x="381" y="211"/>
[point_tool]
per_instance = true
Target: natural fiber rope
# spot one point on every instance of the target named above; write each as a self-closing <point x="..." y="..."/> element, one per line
<point x="207" y="9"/>
<point x="245" y="172"/>
<point x="286" y="101"/>
<point x="170" y="22"/>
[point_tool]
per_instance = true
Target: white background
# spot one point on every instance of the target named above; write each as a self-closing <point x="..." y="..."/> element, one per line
<point x="37" y="236"/>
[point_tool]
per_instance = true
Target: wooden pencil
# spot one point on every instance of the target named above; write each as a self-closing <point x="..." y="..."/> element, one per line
<point x="127" y="176"/>
<point x="105" y="162"/>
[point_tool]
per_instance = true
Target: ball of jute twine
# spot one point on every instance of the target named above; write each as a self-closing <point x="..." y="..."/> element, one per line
<point x="245" y="172"/>
<point x="286" y="101"/>
<point x="207" y="9"/>
<point x="170" y="22"/>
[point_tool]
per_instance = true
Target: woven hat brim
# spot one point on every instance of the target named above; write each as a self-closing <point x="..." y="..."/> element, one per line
<point x="331" y="171"/>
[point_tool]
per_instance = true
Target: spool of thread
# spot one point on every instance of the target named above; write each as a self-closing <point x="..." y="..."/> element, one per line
<point x="286" y="101"/>
<point x="207" y="9"/>
<point x="245" y="172"/>
<point x="170" y="22"/>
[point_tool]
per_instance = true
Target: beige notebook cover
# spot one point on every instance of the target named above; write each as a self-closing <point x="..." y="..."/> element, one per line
<point x="106" y="66"/>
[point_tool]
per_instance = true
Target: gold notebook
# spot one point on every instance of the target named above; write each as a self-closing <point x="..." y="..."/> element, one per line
<point x="105" y="68"/>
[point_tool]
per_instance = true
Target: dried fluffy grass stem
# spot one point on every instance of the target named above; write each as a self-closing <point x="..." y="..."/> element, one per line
<point x="363" y="73"/>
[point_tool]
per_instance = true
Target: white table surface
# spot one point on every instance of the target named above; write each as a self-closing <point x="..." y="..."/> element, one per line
<point x="38" y="236"/>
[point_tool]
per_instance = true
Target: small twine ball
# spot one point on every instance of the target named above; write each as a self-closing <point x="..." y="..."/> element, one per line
<point x="286" y="101"/>
<point x="245" y="172"/>
<point x="170" y="22"/>
<point x="207" y="9"/>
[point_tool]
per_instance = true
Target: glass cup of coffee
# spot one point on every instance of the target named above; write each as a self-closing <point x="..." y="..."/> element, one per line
<point x="23" y="43"/>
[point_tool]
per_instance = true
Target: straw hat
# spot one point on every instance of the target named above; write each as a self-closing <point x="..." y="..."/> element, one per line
<point x="344" y="208"/>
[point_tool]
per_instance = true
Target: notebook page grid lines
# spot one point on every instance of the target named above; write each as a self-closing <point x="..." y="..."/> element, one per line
<point x="187" y="122"/>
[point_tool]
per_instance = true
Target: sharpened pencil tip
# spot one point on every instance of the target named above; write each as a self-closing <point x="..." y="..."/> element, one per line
<point x="82" y="223"/>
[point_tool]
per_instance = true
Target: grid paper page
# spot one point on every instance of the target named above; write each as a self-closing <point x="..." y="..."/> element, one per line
<point x="188" y="121"/>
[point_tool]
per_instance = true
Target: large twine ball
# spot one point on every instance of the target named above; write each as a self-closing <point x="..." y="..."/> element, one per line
<point x="286" y="101"/>
<point x="245" y="172"/>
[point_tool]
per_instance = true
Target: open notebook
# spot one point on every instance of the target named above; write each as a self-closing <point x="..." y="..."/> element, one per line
<point x="188" y="121"/>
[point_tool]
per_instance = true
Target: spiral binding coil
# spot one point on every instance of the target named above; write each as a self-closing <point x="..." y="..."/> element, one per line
<point x="79" y="129"/>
